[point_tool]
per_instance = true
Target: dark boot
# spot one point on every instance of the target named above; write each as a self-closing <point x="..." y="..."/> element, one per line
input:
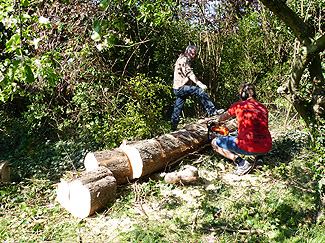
<point x="174" y="126"/>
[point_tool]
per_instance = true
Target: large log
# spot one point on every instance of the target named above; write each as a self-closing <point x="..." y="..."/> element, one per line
<point x="96" y="186"/>
<point x="88" y="193"/>
<point x="141" y="158"/>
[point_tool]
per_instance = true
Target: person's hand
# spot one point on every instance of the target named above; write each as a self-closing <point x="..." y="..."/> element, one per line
<point x="214" y="122"/>
<point x="201" y="85"/>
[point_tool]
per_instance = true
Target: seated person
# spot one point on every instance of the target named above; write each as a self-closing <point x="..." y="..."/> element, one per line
<point x="253" y="137"/>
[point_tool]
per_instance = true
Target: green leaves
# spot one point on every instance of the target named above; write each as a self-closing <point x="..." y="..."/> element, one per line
<point x="29" y="74"/>
<point x="157" y="12"/>
<point x="97" y="30"/>
<point x="18" y="65"/>
<point x="103" y="4"/>
<point x="13" y="44"/>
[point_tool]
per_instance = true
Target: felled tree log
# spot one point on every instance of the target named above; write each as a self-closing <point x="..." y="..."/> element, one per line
<point x="95" y="187"/>
<point x="137" y="159"/>
<point x="88" y="193"/>
<point x="4" y="172"/>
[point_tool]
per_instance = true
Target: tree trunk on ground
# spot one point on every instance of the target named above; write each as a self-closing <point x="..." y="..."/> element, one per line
<point x="4" y="172"/>
<point x="95" y="187"/>
<point x="142" y="158"/>
<point x="88" y="193"/>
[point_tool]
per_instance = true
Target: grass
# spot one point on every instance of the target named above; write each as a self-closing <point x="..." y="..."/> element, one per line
<point x="277" y="202"/>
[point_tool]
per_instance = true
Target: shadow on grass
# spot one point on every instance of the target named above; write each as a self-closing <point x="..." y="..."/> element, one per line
<point x="286" y="148"/>
<point x="284" y="212"/>
<point x="37" y="156"/>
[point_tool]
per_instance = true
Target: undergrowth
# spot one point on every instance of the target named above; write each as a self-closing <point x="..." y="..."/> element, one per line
<point x="279" y="201"/>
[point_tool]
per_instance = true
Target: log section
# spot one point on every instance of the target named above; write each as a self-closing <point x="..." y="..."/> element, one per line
<point x="96" y="186"/>
<point x="114" y="159"/>
<point x="88" y="193"/>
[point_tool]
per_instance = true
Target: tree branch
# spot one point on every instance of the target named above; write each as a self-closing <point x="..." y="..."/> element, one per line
<point x="301" y="30"/>
<point x="317" y="46"/>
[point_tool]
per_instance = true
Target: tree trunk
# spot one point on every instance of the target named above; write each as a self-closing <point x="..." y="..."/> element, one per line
<point x="88" y="193"/>
<point x="308" y="57"/>
<point x="142" y="158"/>
<point x="95" y="187"/>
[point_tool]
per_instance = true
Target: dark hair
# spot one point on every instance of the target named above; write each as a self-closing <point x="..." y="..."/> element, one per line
<point x="246" y="91"/>
<point x="188" y="48"/>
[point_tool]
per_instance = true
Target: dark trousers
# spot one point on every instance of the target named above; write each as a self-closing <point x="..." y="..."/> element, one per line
<point x="183" y="93"/>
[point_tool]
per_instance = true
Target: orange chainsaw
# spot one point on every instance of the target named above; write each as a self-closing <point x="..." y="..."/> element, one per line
<point x="215" y="130"/>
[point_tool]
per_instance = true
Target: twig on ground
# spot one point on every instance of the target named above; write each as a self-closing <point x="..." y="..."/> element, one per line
<point x="194" y="221"/>
<point x="225" y="228"/>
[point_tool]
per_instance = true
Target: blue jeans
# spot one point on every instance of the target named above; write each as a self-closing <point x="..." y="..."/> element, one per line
<point x="229" y="143"/>
<point x="183" y="93"/>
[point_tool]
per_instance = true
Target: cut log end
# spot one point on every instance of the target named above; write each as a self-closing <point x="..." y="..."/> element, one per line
<point x="74" y="197"/>
<point x="90" y="162"/>
<point x="135" y="160"/>
<point x="4" y="172"/>
<point x="87" y="194"/>
<point x="80" y="199"/>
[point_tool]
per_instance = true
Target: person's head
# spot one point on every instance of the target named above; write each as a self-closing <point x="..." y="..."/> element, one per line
<point x="247" y="91"/>
<point x="190" y="52"/>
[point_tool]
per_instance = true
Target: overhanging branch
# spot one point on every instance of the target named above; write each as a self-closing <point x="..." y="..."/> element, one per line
<point x="317" y="46"/>
<point x="300" y="29"/>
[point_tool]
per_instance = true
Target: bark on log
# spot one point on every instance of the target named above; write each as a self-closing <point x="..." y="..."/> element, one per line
<point x="88" y="193"/>
<point x="142" y="158"/>
<point x="114" y="159"/>
<point x="4" y="172"/>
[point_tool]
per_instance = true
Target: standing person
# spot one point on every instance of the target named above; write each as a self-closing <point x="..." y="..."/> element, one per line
<point x="183" y="86"/>
<point x="253" y="138"/>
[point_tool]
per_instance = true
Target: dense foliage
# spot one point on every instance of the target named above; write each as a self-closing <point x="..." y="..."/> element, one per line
<point x="103" y="73"/>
